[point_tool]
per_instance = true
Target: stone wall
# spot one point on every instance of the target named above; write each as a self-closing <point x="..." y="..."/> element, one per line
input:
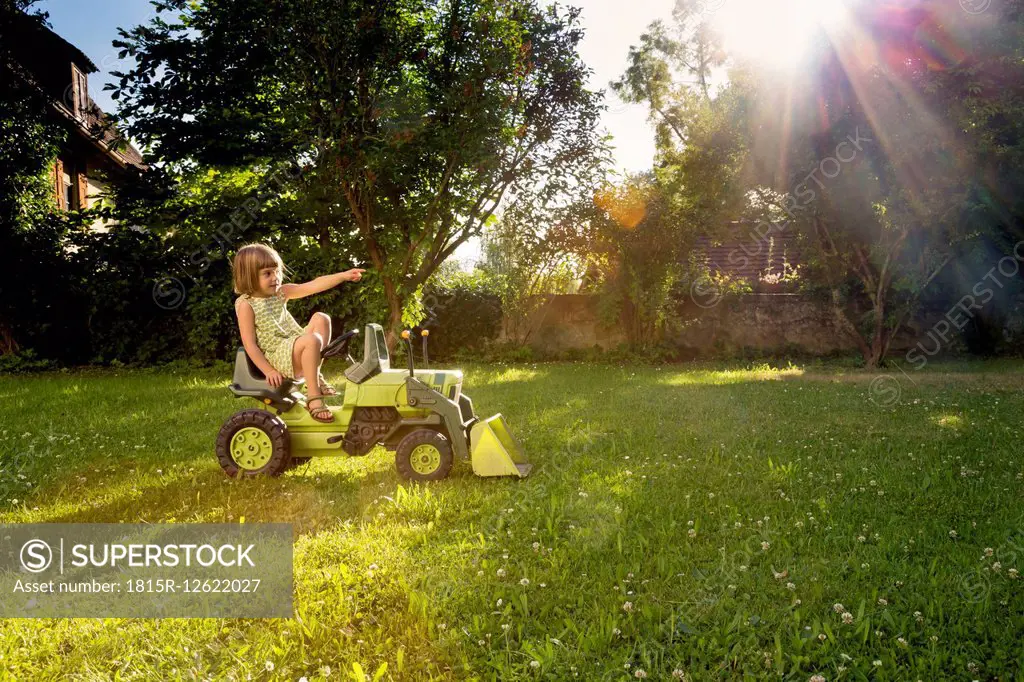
<point x="768" y="323"/>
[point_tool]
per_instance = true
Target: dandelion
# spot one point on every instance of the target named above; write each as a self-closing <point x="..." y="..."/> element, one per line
<point x="627" y="607"/>
<point x="847" y="617"/>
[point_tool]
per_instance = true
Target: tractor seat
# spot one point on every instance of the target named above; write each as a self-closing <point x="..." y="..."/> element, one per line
<point x="250" y="382"/>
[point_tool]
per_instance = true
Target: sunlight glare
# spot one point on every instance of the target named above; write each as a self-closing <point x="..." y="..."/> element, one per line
<point x="775" y="33"/>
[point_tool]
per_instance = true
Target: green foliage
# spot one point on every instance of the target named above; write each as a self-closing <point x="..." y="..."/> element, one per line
<point x="411" y="121"/>
<point x="463" y="313"/>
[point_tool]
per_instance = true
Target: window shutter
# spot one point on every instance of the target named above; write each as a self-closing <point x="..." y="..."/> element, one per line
<point x="83" y="188"/>
<point x="58" y="183"/>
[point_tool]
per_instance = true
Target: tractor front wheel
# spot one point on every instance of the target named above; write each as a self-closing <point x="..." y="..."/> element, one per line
<point x="253" y="443"/>
<point x="424" y="455"/>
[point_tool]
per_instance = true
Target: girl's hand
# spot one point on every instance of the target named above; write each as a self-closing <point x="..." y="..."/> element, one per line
<point x="275" y="378"/>
<point x="353" y="275"/>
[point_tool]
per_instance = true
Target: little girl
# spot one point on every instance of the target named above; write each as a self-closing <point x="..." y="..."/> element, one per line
<point x="273" y="339"/>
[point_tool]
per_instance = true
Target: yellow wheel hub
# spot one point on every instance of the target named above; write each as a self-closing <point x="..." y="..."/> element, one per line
<point x="425" y="459"/>
<point x="251" y="448"/>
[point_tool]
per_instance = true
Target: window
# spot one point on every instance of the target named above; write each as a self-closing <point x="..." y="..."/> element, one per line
<point x="68" y="191"/>
<point x="80" y="88"/>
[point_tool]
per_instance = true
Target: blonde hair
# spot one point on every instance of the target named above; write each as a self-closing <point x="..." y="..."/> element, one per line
<point x="248" y="262"/>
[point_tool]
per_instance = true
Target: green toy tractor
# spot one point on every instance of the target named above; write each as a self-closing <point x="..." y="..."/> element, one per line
<point x="422" y="415"/>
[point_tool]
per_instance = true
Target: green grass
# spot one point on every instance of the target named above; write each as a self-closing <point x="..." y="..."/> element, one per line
<point x="685" y="518"/>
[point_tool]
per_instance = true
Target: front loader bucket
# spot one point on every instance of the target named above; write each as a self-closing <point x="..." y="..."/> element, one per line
<point x="495" y="452"/>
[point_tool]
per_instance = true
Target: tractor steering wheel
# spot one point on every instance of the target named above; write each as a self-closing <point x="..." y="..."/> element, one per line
<point x="339" y="345"/>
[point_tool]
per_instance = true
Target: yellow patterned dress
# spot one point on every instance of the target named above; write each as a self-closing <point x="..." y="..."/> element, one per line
<point x="276" y="330"/>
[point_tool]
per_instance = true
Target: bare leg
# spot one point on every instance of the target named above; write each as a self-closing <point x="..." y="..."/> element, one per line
<point x="306" y="359"/>
<point x="320" y="323"/>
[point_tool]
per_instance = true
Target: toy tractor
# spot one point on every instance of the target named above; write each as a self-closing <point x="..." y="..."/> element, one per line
<point x="422" y="415"/>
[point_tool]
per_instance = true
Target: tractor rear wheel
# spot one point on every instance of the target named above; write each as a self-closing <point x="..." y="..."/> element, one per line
<point x="424" y="455"/>
<point x="254" y="443"/>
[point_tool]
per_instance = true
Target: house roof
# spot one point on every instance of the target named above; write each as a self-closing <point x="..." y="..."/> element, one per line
<point x="32" y="30"/>
<point x="747" y="255"/>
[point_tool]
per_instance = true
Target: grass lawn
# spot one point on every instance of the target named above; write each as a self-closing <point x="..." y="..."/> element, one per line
<point x="683" y="520"/>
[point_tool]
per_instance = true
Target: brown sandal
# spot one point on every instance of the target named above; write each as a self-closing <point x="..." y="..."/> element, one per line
<point x="325" y="388"/>
<point x="315" y="411"/>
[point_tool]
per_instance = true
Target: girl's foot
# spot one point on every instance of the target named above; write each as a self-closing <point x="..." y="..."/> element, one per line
<point x="321" y="414"/>
<point x="326" y="388"/>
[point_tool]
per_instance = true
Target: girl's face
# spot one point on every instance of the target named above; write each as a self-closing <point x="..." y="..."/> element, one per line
<point x="270" y="281"/>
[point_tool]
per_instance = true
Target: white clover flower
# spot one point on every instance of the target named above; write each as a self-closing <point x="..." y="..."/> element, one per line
<point x="524" y="582"/>
<point x="269" y="665"/>
<point x="505" y="626"/>
<point x="989" y="551"/>
<point x="838" y="608"/>
<point x="790" y="586"/>
<point x="1013" y="573"/>
<point x="877" y="663"/>
<point x="640" y="674"/>
<point x="534" y="664"/>
<point x="627" y="607"/>
<point x="765" y="546"/>
<point x="678" y="674"/>
<point x="536" y="546"/>
<point x="821" y="637"/>
<point x="817" y="678"/>
<point x="918" y="616"/>
<point x="691" y="533"/>
<point x="953" y="534"/>
<point x="882" y="601"/>
<point x="902" y="642"/>
<point x="616" y="632"/>
<point x="847" y="617"/>
<point x="861" y="538"/>
<point x="996" y="566"/>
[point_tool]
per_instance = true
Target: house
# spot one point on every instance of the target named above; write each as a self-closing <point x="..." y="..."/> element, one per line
<point x="93" y="155"/>
<point x="765" y="259"/>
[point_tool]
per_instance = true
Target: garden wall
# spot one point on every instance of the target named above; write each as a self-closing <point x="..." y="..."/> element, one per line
<point x="769" y="323"/>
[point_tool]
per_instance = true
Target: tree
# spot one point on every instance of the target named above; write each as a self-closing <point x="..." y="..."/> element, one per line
<point x="421" y="116"/>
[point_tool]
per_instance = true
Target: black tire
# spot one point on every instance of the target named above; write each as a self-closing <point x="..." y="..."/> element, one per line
<point x="414" y="471"/>
<point x="276" y="434"/>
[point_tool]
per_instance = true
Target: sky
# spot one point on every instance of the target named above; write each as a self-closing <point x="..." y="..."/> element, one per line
<point x="611" y="26"/>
